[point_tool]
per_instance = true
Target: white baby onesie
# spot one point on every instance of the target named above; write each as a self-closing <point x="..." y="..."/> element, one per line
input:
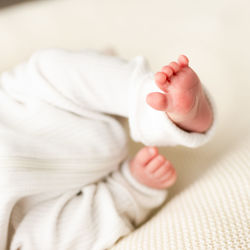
<point x="64" y="177"/>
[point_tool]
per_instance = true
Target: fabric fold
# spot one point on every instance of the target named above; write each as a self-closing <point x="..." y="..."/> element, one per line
<point x="152" y="127"/>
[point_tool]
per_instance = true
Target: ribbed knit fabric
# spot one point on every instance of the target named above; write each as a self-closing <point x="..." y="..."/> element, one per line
<point x="60" y="151"/>
<point x="213" y="213"/>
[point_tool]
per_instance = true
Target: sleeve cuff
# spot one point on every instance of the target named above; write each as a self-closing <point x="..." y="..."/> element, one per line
<point x="138" y="186"/>
<point x="153" y="127"/>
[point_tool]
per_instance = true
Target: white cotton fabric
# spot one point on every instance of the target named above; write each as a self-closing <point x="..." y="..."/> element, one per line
<point x="211" y="213"/>
<point x="60" y="150"/>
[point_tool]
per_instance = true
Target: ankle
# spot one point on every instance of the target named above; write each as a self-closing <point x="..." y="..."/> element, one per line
<point x="199" y="119"/>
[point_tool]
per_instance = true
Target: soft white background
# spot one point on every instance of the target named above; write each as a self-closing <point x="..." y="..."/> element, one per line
<point x="214" y="34"/>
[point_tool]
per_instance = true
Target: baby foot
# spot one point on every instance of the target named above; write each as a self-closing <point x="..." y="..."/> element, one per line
<point x="152" y="169"/>
<point x="183" y="100"/>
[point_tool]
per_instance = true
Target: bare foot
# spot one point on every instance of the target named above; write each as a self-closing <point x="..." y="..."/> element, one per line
<point x="183" y="100"/>
<point x="152" y="169"/>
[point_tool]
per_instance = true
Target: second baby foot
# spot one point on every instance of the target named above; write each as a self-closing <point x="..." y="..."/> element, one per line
<point x="183" y="98"/>
<point x="152" y="169"/>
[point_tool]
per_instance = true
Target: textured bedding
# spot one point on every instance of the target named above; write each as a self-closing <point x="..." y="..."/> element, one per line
<point x="208" y="208"/>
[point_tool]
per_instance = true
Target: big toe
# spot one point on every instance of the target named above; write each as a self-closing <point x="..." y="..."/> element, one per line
<point x="157" y="101"/>
<point x="145" y="155"/>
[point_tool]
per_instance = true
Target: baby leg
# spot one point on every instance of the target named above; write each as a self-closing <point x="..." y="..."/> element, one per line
<point x="183" y="98"/>
<point x="90" y="217"/>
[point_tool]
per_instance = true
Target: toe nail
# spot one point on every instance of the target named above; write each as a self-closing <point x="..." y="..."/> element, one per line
<point x="151" y="150"/>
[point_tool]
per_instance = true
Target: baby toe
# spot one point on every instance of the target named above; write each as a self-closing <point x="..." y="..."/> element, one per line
<point x="169" y="173"/>
<point x="183" y="60"/>
<point x="145" y="155"/>
<point x="170" y="180"/>
<point x="154" y="164"/>
<point x="157" y="101"/>
<point x="160" y="172"/>
<point x="168" y="71"/>
<point x="161" y="81"/>
<point x="174" y="66"/>
<point x="160" y="77"/>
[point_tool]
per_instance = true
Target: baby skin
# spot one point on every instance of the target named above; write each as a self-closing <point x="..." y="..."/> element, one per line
<point x="185" y="103"/>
